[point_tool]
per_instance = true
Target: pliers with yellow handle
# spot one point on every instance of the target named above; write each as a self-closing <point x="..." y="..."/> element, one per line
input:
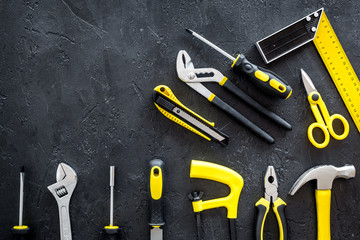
<point x="263" y="206"/>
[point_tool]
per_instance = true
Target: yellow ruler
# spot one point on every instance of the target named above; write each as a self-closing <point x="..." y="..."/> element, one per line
<point x="339" y="67"/>
<point x="316" y="28"/>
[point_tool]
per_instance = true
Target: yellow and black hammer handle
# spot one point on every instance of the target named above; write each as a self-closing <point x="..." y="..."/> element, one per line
<point x="263" y="207"/>
<point x="267" y="80"/>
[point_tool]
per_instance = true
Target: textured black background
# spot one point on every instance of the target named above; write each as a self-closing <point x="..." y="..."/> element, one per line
<point x="76" y="87"/>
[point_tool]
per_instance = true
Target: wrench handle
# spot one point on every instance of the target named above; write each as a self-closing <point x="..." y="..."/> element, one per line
<point x="65" y="226"/>
<point x="323" y="203"/>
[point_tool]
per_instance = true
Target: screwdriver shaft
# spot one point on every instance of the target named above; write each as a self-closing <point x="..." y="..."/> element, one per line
<point x="211" y="44"/>
<point x="112" y="184"/>
<point x="21" y="202"/>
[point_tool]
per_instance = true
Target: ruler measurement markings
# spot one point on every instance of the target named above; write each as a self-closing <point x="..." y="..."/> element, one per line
<point x="339" y="67"/>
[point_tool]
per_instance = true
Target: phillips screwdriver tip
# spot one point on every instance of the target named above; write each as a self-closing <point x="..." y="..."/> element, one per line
<point x="189" y="30"/>
<point x="22" y="169"/>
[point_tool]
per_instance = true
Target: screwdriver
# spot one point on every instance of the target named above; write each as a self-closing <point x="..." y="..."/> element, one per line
<point x="21" y="231"/>
<point x="156" y="222"/>
<point x="266" y="80"/>
<point x="111" y="232"/>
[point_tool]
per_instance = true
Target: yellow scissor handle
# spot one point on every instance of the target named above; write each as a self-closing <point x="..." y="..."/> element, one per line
<point x="218" y="173"/>
<point x="345" y="124"/>
<point x="324" y="121"/>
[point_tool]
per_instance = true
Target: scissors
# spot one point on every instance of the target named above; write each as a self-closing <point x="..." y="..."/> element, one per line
<point x="323" y="120"/>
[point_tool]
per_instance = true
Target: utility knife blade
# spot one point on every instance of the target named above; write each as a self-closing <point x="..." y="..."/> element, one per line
<point x="173" y="109"/>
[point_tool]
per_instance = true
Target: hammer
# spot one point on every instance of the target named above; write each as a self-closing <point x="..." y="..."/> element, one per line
<point x="325" y="175"/>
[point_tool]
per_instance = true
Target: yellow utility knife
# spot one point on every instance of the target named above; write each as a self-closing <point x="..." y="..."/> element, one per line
<point x="156" y="195"/>
<point x="172" y="108"/>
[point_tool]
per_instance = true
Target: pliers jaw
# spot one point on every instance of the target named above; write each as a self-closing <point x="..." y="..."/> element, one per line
<point x="271" y="185"/>
<point x="189" y="74"/>
<point x="278" y="205"/>
<point x="194" y="77"/>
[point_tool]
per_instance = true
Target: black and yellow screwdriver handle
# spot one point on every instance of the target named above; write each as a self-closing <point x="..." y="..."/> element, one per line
<point x="112" y="233"/>
<point x="263" y="207"/>
<point x="267" y="80"/>
<point x="156" y="193"/>
<point x="249" y="100"/>
<point x="20" y="232"/>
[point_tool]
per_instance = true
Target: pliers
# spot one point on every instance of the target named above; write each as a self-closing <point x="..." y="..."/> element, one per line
<point x="263" y="206"/>
<point x="194" y="77"/>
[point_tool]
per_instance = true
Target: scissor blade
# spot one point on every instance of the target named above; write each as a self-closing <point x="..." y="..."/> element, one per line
<point x="309" y="86"/>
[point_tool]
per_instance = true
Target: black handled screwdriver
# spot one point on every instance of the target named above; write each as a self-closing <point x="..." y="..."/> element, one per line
<point x="21" y="231"/>
<point x="267" y="80"/>
<point x="111" y="231"/>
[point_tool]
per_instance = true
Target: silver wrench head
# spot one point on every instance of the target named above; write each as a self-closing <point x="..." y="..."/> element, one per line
<point x="66" y="182"/>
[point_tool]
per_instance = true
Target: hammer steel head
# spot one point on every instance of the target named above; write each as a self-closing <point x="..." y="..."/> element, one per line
<point x="325" y="175"/>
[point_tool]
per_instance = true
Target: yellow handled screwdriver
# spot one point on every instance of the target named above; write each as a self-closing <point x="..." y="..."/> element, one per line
<point x="111" y="231"/>
<point x="266" y="80"/>
<point x="21" y="231"/>
<point x="156" y="186"/>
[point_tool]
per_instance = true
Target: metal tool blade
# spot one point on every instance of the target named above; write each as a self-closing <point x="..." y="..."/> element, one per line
<point x="21" y="202"/>
<point x="171" y="107"/>
<point x="201" y="38"/>
<point x="290" y="37"/>
<point x="309" y="86"/>
<point x="198" y="124"/>
<point x="156" y="233"/>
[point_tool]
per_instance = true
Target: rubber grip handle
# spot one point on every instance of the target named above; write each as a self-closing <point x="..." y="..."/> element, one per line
<point x="111" y="234"/>
<point x="246" y="98"/>
<point x="156" y="193"/>
<point x="20" y="237"/>
<point x="267" y="80"/>
<point x="323" y="203"/>
<point x="110" y="237"/>
<point x="263" y="207"/>
<point x="240" y="118"/>
<point x="232" y="229"/>
<point x="279" y="210"/>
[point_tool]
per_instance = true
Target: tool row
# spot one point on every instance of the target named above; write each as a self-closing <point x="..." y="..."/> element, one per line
<point x="173" y="109"/>
<point x="66" y="180"/>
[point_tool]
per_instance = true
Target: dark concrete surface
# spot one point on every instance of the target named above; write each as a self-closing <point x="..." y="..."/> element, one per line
<point x="76" y="86"/>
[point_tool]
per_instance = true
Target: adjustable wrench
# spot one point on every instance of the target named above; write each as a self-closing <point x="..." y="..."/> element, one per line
<point x="62" y="190"/>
